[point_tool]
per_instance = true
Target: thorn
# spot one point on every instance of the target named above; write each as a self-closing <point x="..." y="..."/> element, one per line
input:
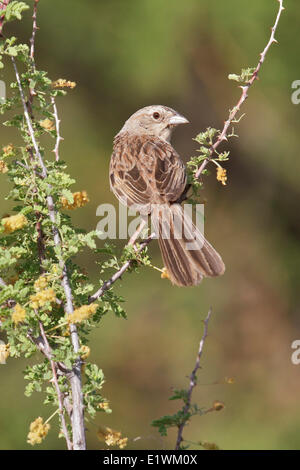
<point x="275" y="41"/>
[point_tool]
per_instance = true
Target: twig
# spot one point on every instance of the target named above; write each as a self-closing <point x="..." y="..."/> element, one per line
<point x="193" y="382"/>
<point x="137" y="233"/>
<point x="107" y="284"/>
<point x="224" y="133"/>
<point x="60" y="396"/>
<point x="59" y="138"/>
<point x="34" y="30"/>
<point x="28" y="168"/>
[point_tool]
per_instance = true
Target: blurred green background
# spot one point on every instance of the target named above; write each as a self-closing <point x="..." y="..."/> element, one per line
<point x="126" y="54"/>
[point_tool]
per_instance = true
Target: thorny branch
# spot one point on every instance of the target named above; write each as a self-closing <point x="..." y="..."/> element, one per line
<point x="193" y="382"/>
<point x="233" y="113"/>
<point x="60" y="396"/>
<point x="75" y="378"/>
<point x="57" y="126"/>
<point x="222" y="137"/>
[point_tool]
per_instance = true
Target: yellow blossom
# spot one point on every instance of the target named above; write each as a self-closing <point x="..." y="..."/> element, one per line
<point x="80" y="199"/>
<point x="8" y="151"/>
<point x="18" y="314"/>
<point x="122" y="442"/>
<point x="165" y="274"/>
<point x="82" y="313"/>
<point x="41" y="298"/>
<point x="218" y="405"/>
<point x="47" y="124"/>
<point x="84" y="352"/>
<point x="3" y="167"/>
<point x="111" y="437"/>
<point x="4" y="352"/>
<point x="104" y="405"/>
<point x="37" y="431"/>
<point x="42" y="282"/>
<point x="55" y="269"/>
<point x="62" y="83"/>
<point x="13" y="223"/>
<point x="221" y="175"/>
<point x="229" y="380"/>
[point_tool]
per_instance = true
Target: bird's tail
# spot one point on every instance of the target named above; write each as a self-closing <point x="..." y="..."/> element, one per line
<point x="187" y="256"/>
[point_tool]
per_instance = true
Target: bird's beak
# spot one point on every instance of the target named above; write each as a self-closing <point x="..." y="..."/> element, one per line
<point x="177" y="119"/>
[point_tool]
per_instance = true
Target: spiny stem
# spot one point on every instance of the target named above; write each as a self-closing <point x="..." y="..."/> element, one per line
<point x="193" y="382"/>
<point x="244" y="95"/>
<point x="79" y="442"/>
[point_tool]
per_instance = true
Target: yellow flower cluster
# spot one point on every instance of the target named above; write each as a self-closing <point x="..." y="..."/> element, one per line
<point x="8" y="151"/>
<point x="221" y="175"/>
<point x="218" y="405"/>
<point x="229" y="380"/>
<point x="19" y="314"/>
<point x="82" y="313"/>
<point x="165" y="274"/>
<point x="62" y="83"/>
<point x="55" y="269"/>
<point x="37" y="431"/>
<point x="47" y="124"/>
<point x="41" y="298"/>
<point x="3" y="167"/>
<point x="84" y="352"/>
<point x="104" y="405"/>
<point x="80" y="199"/>
<point x="4" y="352"/>
<point x="112" y="438"/>
<point x="14" y="222"/>
<point x="42" y="282"/>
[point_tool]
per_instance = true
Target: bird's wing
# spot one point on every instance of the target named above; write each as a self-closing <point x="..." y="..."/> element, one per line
<point x="170" y="175"/>
<point x="145" y="170"/>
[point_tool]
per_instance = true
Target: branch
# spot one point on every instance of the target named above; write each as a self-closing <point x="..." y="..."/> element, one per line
<point x="34" y="30"/>
<point x="232" y="115"/>
<point x="59" y="138"/>
<point x="28" y="168"/>
<point x="193" y="382"/>
<point x="75" y="379"/>
<point x="60" y="396"/>
<point x="107" y="284"/>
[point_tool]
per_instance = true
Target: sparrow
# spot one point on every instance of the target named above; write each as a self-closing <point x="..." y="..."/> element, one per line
<point x="147" y="174"/>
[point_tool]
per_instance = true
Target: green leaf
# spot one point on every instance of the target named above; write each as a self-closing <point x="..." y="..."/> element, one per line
<point x="14" y="10"/>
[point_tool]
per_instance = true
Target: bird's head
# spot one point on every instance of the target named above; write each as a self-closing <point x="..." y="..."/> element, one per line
<point x="155" y="120"/>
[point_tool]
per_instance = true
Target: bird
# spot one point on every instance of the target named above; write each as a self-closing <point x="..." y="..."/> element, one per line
<point x="147" y="174"/>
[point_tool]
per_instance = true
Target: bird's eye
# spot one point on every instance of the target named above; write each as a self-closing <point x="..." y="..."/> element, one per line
<point x="156" y="115"/>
